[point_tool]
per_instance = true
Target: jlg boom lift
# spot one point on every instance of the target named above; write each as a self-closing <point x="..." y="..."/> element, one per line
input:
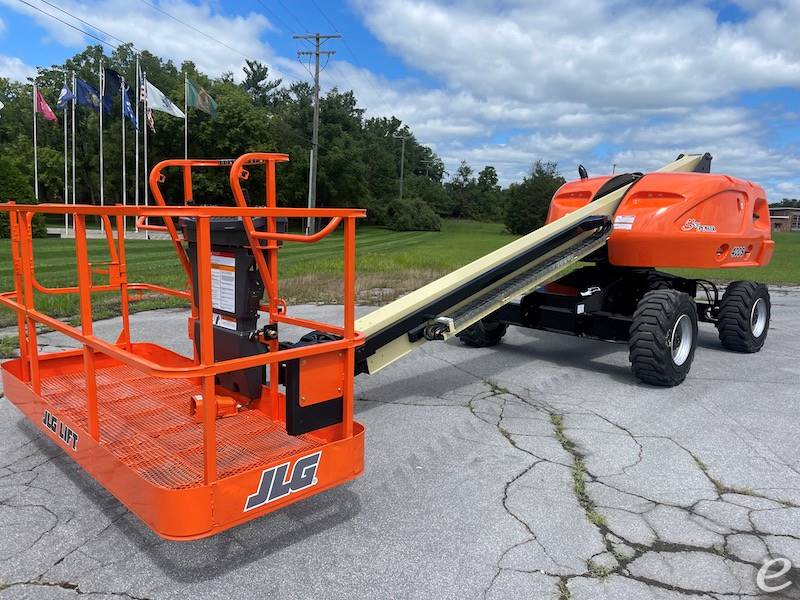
<point x="252" y="422"/>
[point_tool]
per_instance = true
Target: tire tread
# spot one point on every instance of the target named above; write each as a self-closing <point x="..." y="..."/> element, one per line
<point x="650" y="355"/>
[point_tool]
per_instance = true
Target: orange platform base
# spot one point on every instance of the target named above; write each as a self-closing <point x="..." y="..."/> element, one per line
<point x="150" y="449"/>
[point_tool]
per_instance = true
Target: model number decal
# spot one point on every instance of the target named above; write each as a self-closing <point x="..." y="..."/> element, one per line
<point x="695" y="225"/>
<point x="64" y="433"/>
<point x="277" y="482"/>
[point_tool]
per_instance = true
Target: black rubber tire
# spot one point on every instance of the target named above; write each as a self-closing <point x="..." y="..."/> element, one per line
<point x="650" y="344"/>
<point x="656" y="282"/>
<point x="484" y="333"/>
<point x="735" y="318"/>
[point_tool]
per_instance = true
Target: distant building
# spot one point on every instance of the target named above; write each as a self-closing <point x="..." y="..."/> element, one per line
<point x="784" y="218"/>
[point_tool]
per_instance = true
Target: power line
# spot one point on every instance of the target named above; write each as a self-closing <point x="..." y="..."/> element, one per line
<point x="195" y="29"/>
<point x="274" y="14"/>
<point x="324" y="16"/>
<point x="291" y="14"/>
<point x="84" y="32"/>
<point x="349" y="50"/>
<point x="77" y="18"/>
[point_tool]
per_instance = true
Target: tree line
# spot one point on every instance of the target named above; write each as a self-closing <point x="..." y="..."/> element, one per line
<point x="787" y="203"/>
<point x="359" y="156"/>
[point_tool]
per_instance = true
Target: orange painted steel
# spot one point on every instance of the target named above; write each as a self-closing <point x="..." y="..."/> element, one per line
<point x="122" y="409"/>
<point x="692" y="220"/>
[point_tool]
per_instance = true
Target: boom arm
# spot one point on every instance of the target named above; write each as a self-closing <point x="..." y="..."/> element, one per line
<point x="447" y="306"/>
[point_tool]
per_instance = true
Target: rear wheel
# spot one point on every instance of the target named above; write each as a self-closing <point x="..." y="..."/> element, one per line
<point x="744" y="313"/>
<point x="663" y="337"/>
<point x="486" y="332"/>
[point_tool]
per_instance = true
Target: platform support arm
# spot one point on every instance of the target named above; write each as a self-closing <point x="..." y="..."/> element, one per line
<point x="85" y="293"/>
<point x="22" y="322"/>
<point x="27" y="289"/>
<point x="349" y="300"/>
<point x="125" y="333"/>
<point x="206" y="349"/>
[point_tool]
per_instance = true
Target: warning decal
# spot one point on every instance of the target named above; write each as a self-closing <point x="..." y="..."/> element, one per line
<point x="226" y="322"/>
<point x="624" y="221"/>
<point x="223" y="281"/>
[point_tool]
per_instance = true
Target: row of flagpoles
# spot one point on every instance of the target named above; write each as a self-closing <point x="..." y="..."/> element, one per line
<point x="101" y="100"/>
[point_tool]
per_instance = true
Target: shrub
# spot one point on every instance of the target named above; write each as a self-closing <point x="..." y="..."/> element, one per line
<point x="412" y="214"/>
<point x="14" y="185"/>
<point x="376" y="212"/>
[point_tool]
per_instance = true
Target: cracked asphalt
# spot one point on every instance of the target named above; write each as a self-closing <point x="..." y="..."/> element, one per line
<point x="536" y="469"/>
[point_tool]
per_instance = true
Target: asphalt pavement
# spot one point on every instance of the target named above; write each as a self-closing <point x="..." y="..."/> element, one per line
<point x="535" y="469"/>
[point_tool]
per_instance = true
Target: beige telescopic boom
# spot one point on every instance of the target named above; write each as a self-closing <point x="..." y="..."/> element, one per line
<point x="447" y="306"/>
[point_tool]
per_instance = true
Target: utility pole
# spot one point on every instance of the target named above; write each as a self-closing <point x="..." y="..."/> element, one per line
<point x="613" y="168"/>
<point x="318" y="40"/>
<point x="402" y="158"/>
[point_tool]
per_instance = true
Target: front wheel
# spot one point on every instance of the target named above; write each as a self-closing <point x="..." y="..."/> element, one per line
<point x="663" y="337"/>
<point x="744" y="313"/>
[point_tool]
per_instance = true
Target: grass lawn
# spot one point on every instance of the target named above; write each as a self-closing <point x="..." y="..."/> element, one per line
<point x="389" y="264"/>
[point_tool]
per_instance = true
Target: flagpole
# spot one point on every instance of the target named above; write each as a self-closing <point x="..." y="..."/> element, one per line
<point x="146" y="166"/>
<point x="138" y="100"/>
<point x="74" y="97"/>
<point x="185" y="118"/>
<point x="66" y="160"/>
<point x="102" y="106"/>
<point x="35" y="151"/>
<point x="124" y="173"/>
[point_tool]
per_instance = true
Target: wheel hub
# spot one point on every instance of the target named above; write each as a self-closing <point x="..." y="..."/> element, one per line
<point x="758" y="317"/>
<point x="681" y="339"/>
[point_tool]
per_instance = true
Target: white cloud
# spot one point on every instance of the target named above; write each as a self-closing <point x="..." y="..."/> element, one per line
<point x="151" y="30"/>
<point x="590" y="81"/>
<point x="611" y="53"/>
<point x="13" y="68"/>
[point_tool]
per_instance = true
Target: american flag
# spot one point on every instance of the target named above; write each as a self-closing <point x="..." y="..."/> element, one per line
<point x="148" y="112"/>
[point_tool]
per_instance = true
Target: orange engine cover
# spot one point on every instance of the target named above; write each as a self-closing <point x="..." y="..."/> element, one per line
<point x="694" y="220"/>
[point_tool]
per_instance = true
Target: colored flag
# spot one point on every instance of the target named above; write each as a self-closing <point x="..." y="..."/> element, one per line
<point x="64" y="98"/>
<point x="127" y="108"/>
<point x="42" y="107"/>
<point x="87" y="94"/>
<point x="200" y="99"/>
<point x="113" y="82"/>
<point x="156" y="100"/>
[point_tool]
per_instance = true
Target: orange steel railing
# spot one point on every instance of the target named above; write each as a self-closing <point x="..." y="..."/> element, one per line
<point x="202" y="368"/>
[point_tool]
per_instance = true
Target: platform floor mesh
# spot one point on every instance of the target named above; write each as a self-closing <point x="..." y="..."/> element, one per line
<point x="145" y="422"/>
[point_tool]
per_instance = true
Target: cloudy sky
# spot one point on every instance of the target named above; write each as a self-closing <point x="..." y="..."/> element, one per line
<point x="500" y="82"/>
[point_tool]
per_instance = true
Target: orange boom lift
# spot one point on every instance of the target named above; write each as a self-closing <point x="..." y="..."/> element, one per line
<point x="251" y="422"/>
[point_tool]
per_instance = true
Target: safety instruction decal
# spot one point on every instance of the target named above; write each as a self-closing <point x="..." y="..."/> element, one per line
<point x="223" y="281"/>
<point x="624" y="221"/>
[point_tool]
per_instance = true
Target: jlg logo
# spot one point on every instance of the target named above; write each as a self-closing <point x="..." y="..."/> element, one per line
<point x="275" y="484"/>
<point x="695" y="225"/>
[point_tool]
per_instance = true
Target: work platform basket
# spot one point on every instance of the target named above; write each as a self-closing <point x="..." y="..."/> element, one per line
<point x="187" y="455"/>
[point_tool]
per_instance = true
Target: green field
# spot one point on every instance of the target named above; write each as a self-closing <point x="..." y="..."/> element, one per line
<point x="389" y="264"/>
